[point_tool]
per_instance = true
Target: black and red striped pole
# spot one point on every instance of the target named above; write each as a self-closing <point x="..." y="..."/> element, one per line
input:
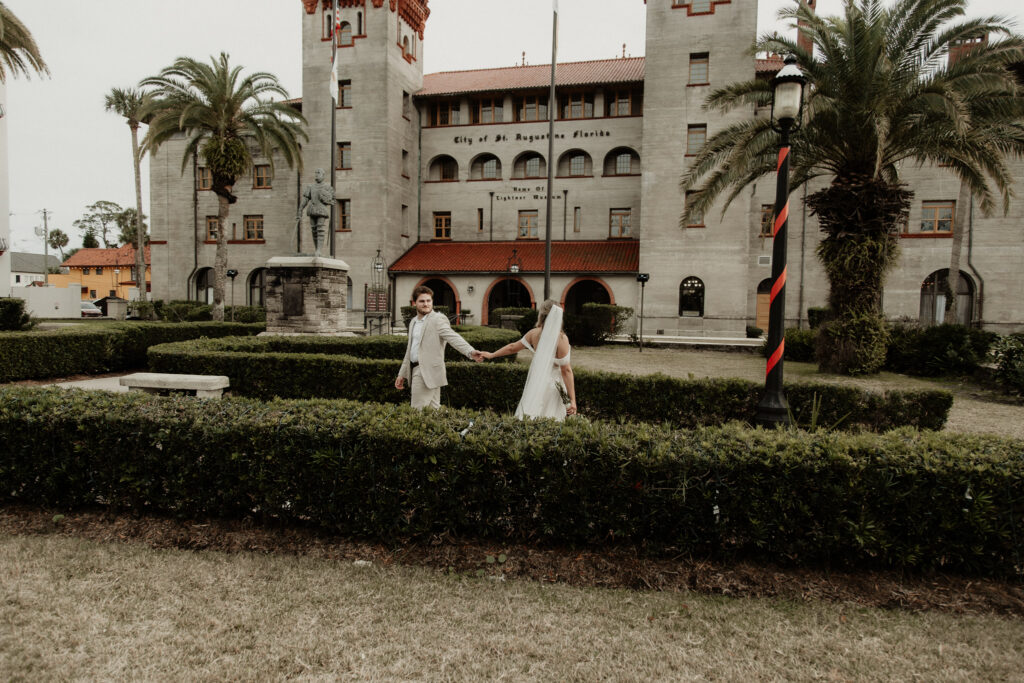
<point x="787" y="102"/>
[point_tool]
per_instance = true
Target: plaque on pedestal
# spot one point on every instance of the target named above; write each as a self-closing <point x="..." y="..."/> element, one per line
<point x="306" y="295"/>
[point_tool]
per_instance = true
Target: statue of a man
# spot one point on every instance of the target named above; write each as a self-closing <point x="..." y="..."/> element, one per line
<point x="319" y="196"/>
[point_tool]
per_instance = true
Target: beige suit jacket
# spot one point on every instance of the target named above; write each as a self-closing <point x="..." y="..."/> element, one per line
<point x="437" y="334"/>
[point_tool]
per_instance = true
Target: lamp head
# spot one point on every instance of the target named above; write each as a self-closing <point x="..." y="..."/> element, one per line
<point x="788" y="95"/>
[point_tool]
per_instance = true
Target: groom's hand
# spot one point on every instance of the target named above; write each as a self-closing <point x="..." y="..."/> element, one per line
<point x="478" y="356"/>
<point x="400" y="383"/>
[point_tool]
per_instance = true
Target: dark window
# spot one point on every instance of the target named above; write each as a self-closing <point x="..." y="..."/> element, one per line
<point x="345" y="93"/>
<point x="695" y="137"/>
<point x="487" y="110"/>
<point x="344" y="215"/>
<point x="205" y="178"/>
<point x="691" y="298"/>
<point x="444" y="113"/>
<point x="261" y="176"/>
<point x="528" y="224"/>
<point x="531" y="108"/>
<point x="344" y="155"/>
<point x="253" y="228"/>
<point x="442" y="225"/>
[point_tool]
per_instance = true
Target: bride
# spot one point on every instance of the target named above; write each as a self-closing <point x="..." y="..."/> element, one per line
<point x="550" y="389"/>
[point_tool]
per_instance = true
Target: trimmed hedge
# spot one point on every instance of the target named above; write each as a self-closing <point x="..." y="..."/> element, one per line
<point x="290" y="367"/>
<point x="905" y="499"/>
<point x="100" y="348"/>
<point x="799" y="345"/>
<point x="937" y="350"/>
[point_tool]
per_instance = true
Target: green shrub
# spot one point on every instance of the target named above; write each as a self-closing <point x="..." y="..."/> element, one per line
<point x="854" y="345"/>
<point x="119" y="346"/>
<point x="818" y="316"/>
<point x="754" y="332"/>
<point x="1008" y="355"/>
<point x="142" y="310"/>
<point x="295" y="367"/>
<point x="800" y="345"/>
<point x="595" y="323"/>
<point x="182" y="311"/>
<point x="906" y="499"/>
<point x="245" y="314"/>
<point x="13" y="316"/>
<point x="937" y="350"/>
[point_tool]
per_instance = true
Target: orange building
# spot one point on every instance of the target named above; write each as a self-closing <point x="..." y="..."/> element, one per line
<point x="103" y="272"/>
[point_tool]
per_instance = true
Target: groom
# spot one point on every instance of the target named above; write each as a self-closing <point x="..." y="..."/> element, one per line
<point x="423" y="365"/>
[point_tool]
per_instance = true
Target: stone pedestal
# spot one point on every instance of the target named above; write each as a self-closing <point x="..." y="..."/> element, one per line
<point x="306" y="295"/>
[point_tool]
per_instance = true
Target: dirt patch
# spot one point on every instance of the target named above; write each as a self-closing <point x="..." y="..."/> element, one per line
<point x="615" y="568"/>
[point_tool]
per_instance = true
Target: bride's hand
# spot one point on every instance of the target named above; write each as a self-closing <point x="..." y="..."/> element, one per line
<point x="487" y="355"/>
<point x="571" y="409"/>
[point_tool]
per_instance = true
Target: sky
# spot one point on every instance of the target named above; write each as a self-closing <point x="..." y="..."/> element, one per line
<point x="67" y="152"/>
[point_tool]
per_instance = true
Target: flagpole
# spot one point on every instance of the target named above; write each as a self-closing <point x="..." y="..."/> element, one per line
<point x="552" y="105"/>
<point x="334" y="114"/>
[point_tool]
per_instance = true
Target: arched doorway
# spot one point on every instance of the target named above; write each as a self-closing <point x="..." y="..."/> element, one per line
<point x="444" y="295"/>
<point x="507" y="293"/>
<point x="585" y="292"/>
<point x="203" y="290"/>
<point x="935" y="293"/>
<point x="764" y="303"/>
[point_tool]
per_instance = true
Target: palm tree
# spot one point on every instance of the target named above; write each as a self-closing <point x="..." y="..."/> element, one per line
<point x="129" y="103"/>
<point x="881" y="94"/>
<point x="18" y="50"/>
<point x="221" y="112"/>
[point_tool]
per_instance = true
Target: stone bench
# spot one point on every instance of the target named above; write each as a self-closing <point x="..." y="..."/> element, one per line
<point x="204" y="386"/>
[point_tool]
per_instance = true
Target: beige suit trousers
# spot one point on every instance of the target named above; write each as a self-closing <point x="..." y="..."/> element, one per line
<point x="422" y="396"/>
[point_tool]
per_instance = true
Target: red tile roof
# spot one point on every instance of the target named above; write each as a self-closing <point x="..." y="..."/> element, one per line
<point x="607" y="256"/>
<point x="771" y="64"/>
<point x="626" y="70"/>
<point x="89" y="258"/>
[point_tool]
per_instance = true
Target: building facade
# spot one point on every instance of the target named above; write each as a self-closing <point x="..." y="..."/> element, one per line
<point x="101" y="273"/>
<point x="445" y="176"/>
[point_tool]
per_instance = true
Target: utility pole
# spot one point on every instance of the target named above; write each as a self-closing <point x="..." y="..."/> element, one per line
<point x="45" y="234"/>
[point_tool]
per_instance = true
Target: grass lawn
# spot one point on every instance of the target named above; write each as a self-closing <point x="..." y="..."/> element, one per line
<point x="75" y="608"/>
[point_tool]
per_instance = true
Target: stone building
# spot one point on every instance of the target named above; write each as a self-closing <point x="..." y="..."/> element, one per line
<point x="445" y="175"/>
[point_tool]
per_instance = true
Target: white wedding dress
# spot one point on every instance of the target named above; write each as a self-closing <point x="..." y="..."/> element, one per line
<point x="544" y="390"/>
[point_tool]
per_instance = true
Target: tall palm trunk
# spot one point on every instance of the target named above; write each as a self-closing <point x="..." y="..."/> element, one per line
<point x="140" y="238"/>
<point x="860" y="219"/>
<point x="220" y="260"/>
<point x="959" y="223"/>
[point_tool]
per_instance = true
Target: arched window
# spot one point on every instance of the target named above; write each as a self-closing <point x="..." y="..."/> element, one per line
<point x="405" y="47"/>
<point x="348" y="294"/>
<point x="258" y="287"/>
<point x="529" y="165"/>
<point x="344" y="34"/>
<point x="691" y="298"/>
<point x="485" y="167"/>
<point x="575" y="164"/>
<point x="935" y="299"/>
<point x="622" y="161"/>
<point x="204" y="286"/>
<point x="444" y="169"/>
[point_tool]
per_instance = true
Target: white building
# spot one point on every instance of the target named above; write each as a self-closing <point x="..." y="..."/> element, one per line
<point x="445" y="174"/>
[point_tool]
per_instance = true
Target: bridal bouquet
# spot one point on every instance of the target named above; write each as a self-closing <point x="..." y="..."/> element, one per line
<point x="562" y="393"/>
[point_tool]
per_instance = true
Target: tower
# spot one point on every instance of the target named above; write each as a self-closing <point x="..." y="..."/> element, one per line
<point x="373" y="155"/>
<point x="693" y="47"/>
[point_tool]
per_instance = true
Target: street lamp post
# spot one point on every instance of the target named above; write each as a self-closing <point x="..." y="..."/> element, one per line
<point x="787" y="107"/>
<point x="232" y="273"/>
<point x="642" y="278"/>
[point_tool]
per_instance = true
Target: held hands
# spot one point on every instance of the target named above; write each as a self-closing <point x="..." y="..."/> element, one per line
<point x="479" y="356"/>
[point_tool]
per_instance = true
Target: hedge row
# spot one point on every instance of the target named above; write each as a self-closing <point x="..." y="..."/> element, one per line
<point x="930" y="351"/>
<point x="266" y="367"/>
<point x="100" y="348"/>
<point x="905" y="499"/>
